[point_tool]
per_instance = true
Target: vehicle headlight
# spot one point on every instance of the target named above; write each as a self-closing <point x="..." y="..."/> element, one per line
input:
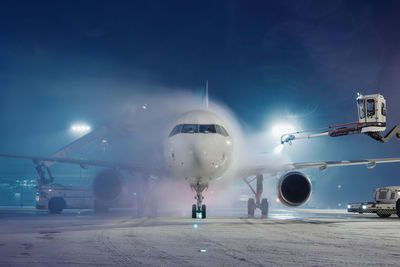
<point x="348" y="206"/>
<point x="364" y="207"/>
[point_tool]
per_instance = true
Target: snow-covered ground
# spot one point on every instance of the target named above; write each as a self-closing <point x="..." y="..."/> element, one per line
<point x="287" y="238"/>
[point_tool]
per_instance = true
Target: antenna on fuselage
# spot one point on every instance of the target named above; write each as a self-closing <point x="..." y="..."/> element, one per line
<point x="206" y="100"/>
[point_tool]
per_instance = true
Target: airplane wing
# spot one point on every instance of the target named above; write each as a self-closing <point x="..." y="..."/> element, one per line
<point x="322" y="165"/>
<point x="369" y="163"/>
<point x="255" y="170"/>
<point x="84" y="163"/>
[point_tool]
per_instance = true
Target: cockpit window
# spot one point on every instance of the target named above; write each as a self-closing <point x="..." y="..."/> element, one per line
<point x="370" y="107"/>
<point x="176" y="130"/>
<point x="190" y="128"/>
<point x="221" y="130"/>
<point x="207" y="129"/>
<point x="383" y="110"/>
<point x="196" y="128"/>
<point x="361" y="108"/>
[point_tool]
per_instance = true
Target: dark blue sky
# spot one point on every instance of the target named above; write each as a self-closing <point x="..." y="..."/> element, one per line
<point x="67" y="60"/>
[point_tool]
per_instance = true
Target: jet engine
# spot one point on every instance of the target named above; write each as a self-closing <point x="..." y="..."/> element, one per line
<point x="107" y="185"/>
<point x="294" y="189"/>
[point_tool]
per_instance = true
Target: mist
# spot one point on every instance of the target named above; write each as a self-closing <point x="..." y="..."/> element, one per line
<point x="140" y="122"/>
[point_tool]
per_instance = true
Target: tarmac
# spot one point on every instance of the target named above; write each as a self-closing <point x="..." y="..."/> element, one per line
<point x="286" y="238"/>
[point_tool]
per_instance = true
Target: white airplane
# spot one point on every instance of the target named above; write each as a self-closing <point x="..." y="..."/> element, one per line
<point x="199" y="149"/>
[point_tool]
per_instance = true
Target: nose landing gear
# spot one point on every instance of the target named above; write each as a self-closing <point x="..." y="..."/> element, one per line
<point x="252" y="204"/>
<point x="199" y="209"/>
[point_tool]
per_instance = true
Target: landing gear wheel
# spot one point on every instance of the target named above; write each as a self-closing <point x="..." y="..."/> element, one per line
<point x="194" y="211"/>
<point x="56" y="205"/>
<point x="251" y="206"/>
<point x="398" y="207"/>
<point x="264" y="207"/>
<point x="203" y="211"/>
<point x="384" y="215"/>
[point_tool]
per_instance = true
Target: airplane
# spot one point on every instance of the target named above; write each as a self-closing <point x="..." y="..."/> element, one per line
<point x="199" y="150"/>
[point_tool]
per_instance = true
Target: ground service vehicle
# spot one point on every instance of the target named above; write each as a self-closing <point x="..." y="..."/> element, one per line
<point x="371" y="121"/>
<point x="387" y="202"/>
<point x="56" y="197"/>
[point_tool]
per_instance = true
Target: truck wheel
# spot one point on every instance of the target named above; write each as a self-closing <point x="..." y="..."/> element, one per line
<point x="398" y="207"/>
<point x="384" y="215"/>
<point x="56" y="205"/>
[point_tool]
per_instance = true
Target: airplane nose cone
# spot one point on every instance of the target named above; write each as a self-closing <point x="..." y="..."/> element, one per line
<point x="203" y="156"/>
<point x="202" y="160"/>
<point x="210" y="161"/>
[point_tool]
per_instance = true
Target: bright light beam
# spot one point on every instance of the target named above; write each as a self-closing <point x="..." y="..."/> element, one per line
<point x="281" y="129"/>
<point x="80" y="128"/>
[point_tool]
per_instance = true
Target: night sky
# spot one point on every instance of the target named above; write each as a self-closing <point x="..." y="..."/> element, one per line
<point x="268" y="61"/>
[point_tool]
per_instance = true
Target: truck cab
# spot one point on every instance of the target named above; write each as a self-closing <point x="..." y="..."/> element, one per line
<point x="387" y="195"/>
<point x="372" y="112"/>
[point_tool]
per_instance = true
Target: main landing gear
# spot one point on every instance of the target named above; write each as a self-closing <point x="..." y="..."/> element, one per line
<point x="199" y="209"/>
<point x="252" y="204"/>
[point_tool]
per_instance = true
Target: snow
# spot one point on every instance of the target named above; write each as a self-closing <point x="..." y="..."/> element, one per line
<point x="287" y="238"/>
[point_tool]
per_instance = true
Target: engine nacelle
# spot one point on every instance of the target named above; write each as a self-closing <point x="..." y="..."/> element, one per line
<point x="107" y="185"/>
<point x="294" y="189"/>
